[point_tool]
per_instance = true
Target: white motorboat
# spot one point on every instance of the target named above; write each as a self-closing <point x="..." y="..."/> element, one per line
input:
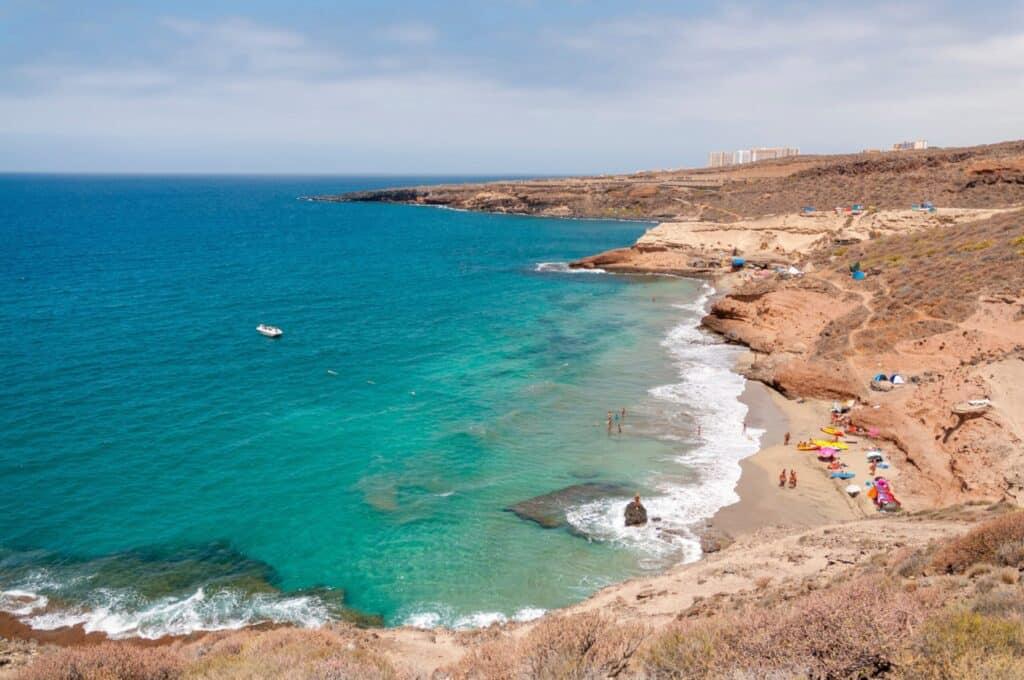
<point x="269" y="331"/>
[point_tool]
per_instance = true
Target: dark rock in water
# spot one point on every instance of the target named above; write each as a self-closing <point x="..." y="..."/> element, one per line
<point x="636" y="513"/>
<point x="549" y="510"/>
<point x="713" y="540"/>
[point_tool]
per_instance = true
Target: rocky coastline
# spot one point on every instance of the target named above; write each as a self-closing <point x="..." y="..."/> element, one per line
<point x="941" y="302"/>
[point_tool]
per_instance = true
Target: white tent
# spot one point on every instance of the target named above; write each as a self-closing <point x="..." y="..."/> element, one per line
<point x="897" y="379"/>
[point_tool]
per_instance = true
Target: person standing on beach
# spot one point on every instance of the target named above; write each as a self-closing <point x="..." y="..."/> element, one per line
<point x="782" y="477"/>
<point x="623" y="412"/>
<point x="792" y="479"/>
<point x="609" y="422"/>
<point x="786" y="442"/>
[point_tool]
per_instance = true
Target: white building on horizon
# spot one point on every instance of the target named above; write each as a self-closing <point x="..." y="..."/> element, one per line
<point x="907" y="146"/>
<point x="719" y="159"/>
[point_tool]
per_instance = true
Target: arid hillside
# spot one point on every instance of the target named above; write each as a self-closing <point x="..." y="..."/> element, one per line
<point x="972" y="177"/>
<point x="942" y="307"/>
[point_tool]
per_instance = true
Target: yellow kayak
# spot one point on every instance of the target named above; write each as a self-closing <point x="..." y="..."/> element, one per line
<point x="832" y="430"/>
<point x="832" y="445"/>
<point x="812" y="447"/>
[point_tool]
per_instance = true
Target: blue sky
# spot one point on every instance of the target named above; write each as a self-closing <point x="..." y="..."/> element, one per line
<point x="544" y="86"/>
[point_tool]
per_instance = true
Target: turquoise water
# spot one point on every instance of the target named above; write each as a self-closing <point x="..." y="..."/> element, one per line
<point x="167" y="469"/>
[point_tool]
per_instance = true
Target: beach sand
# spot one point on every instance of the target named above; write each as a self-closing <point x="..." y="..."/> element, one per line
<point x="817" y="499"/>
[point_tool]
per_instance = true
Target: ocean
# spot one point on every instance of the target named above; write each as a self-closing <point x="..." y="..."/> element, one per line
<point x="167" y="469"/>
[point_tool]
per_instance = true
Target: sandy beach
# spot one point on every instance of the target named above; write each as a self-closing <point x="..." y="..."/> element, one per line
<point x="816" y="500"/>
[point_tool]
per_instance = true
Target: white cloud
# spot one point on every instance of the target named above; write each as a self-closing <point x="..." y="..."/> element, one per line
<point x="239" y="45"/>
<point x="411" y="33"/>
<point x="619" y="95"/>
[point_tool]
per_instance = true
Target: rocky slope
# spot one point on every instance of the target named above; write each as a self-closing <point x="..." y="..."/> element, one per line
<point x="701" y="248"/>
<point x="973" y="177"/>
<point x="943" y="307"/>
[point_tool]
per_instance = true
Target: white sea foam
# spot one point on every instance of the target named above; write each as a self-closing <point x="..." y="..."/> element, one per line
<point x="440" y="615"/>
<point x="119" y="615"/>
<point x="708" y="389"/>
<point x="564" y="268"/>
<point x="21" y="602"/>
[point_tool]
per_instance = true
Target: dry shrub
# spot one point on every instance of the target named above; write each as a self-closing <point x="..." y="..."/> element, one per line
<point x="1007" y="603"/>
<point x="359" y="665"/>
<point x="108" y="661"/>
<point x="985" y="585"/>
<point x="976" y="570"/>
<point x="981" y="544"/>
<point x="909" y="562"/>
<point x="695" y="649"/>
<point x="1011" y="554"/>
<point x="853" y="629"/>
<point x="1009" y="576"/>
<point x="289" y="654"/>
<point x="964" y="644"/>
<point x="761" y="582"/>
<point x="579" y="647"/>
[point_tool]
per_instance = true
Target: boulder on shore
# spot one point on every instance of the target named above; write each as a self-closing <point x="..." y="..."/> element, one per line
<point x="636" y="513"/>
<point x="715" y="540"/>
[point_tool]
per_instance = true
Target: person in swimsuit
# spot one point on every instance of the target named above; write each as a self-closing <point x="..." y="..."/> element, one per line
<point x="782" y="477"/>
<point x="792" y="479"/>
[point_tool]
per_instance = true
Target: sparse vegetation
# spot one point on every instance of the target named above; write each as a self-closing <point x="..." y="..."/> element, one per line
<point x="287" y="653"/>
<point x="964" y="644"/>
<point x="109" y="661"/>
<point x="986" y="543"/>
<point x="977" y="245"/>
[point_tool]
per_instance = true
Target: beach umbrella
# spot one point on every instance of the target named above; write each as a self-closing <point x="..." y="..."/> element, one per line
<point x="853" y="489"/>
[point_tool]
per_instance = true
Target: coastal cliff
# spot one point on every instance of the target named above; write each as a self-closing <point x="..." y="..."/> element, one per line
<point x="973" y="177"/>
<point x="944" y="308"/>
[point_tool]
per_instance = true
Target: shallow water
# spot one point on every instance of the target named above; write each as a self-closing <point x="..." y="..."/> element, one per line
<point x="168" y="469"/>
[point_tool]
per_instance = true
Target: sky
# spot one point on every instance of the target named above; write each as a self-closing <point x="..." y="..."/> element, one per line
<point x="492" y="86"/>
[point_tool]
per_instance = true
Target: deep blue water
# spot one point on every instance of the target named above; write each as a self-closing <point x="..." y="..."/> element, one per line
<point x="166" y="468"/>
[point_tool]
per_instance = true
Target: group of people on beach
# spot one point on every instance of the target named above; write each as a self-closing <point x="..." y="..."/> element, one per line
<point x="792" y="478"/>
<point x="617" y="417"/>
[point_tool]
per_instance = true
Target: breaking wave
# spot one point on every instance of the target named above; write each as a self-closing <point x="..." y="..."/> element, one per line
<point x="708" y="390"/>
<point x="441" y="616"/>
<point x="564" y="268"/>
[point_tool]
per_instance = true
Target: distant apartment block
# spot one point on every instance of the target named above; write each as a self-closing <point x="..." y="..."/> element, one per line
<point x="719" y="159"/>
<point x="908" y="146"/>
